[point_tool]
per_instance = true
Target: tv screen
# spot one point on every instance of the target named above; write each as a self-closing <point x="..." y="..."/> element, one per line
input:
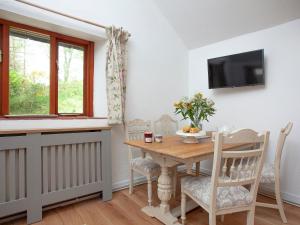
<point x="237" y="70"/>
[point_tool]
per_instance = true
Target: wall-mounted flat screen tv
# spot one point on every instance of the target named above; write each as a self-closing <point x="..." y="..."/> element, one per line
<point x="243" y="69"/>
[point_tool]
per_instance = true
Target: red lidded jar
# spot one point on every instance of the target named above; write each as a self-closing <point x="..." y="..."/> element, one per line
<point x="148" y="136"/>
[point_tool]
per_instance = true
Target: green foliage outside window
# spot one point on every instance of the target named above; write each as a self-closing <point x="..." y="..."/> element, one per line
<point x="27" y="97"/>
<point x="29" y="77"/>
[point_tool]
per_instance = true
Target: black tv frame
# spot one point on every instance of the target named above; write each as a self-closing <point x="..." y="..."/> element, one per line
<point x="246" y="85"/>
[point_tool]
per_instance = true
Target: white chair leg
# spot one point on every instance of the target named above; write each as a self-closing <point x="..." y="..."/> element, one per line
<point x="250" y="216"/>
<point x="149" y="181"/>
<point x="174" y="181"/>
<point x="183" y="207"/>
<point x="222" y="218"/>
<point x="213" y="219"/>
<point x="131" y="182"/>
<point x="279" y="203"/>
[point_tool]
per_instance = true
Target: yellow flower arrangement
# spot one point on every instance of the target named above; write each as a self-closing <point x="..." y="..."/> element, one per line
<point x="197" y="109"/>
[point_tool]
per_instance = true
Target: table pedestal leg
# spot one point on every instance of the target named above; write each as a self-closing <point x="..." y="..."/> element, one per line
<point x="164" y="191"/>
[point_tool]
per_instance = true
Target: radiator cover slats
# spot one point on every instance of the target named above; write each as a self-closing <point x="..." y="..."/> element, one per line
<point x="12" y="175"/>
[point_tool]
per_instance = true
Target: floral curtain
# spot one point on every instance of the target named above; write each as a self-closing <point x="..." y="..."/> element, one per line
<point x="116" y="71"/>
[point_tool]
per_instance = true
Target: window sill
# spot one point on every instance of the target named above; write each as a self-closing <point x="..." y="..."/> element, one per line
<point x="47" y="117"/>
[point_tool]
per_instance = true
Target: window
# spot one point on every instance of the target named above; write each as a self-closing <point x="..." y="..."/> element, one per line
<point x="43" y="73"/>
<point x="29" y="73"/>
<point x="70" y="78"/>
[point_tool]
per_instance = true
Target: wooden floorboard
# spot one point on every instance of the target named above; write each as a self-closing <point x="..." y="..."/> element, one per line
<point x="125" y="209"/>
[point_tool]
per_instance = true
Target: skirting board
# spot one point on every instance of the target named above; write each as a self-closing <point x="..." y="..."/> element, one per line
<point x="123" y="184"/>
<point x="287" y="197"/>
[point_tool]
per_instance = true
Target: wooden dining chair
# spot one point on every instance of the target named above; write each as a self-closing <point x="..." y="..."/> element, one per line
<point x="143" y="165"/>
<point x="271" y="173"/>
<point x="167" y="126"/>
<point x="221" y="194"/>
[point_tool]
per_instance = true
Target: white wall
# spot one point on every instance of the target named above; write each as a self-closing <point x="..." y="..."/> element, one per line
<point x="261" y="108"/>
<point x="158" y="61"/>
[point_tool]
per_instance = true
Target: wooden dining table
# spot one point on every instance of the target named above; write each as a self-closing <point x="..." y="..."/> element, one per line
<point x="171" y="152"/>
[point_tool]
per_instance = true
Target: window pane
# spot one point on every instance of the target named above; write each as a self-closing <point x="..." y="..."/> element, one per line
<point x="29" y="72"/>
<point x="70" y="78"/>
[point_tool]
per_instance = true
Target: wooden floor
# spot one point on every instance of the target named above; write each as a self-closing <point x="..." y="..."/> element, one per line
<point x="125" y="209"/>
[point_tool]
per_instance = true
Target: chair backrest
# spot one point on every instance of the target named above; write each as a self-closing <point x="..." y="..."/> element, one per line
<point x="135" y="131"/>
<point x="165" y="125"/>
<point x="284" y="132"/>
<point x="246" y="162"/>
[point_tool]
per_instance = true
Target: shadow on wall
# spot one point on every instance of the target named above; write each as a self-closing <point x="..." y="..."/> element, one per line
<point x="236" y="90"/>
<point x="119" y="154"/>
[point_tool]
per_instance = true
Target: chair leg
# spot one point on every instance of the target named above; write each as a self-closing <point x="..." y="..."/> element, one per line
<point x="250" y="216"/>
<point x="131" y="182"/>
<point x="197" y="168"/>
<point x="183" y="207"/>
<point x="174" y="181"/>
<point x="213" y="219"/>
<point x="222" y="218"/>
<point x="279" y="203"/>
<point x="149" y="181"/>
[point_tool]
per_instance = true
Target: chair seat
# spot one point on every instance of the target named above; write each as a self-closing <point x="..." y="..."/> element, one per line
<point x="200" y="187"/>
<point x="268" y="174"/>
<point x="145" y="165"/>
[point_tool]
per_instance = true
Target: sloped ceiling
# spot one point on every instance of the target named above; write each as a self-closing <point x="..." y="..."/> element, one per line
<point x="203" y="22"/>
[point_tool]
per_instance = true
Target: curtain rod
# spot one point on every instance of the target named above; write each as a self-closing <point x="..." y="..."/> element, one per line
<point x="62" y="14"/>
